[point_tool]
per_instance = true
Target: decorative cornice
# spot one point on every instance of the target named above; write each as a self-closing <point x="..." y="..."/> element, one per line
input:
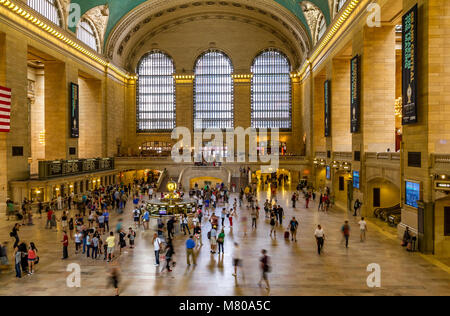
<point x="29" y="16"/>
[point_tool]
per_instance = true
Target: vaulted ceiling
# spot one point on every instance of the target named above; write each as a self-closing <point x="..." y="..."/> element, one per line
<point x="120" y="8"/>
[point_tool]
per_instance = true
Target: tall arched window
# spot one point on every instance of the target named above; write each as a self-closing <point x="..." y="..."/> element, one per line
<point x="322" y="28"/>
<point x="86" y="34"/>
<point x="271" y="91"/>
<point x="155" y="93"/>
<point x="213" y="94"/>
<point x="340" y="4"/>
<point x="48" y="8"/>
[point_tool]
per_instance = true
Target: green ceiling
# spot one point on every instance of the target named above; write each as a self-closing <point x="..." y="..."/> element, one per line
<point x="119" y="8"/>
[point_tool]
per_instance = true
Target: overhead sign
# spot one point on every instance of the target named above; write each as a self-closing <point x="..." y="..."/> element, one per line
<point x="355" y="93"/>
<point x="409" y="66"/>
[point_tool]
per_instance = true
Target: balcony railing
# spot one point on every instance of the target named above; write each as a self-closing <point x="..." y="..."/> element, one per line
<point x="383" y="156"/>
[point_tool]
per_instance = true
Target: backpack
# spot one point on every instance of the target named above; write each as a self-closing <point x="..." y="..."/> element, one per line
<point x="209" y="235"/>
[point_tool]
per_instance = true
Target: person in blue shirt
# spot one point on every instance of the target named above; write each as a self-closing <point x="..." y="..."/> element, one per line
<point x="190" y="245"/>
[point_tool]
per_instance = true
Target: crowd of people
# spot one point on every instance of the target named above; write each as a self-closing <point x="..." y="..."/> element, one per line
<point x="85" y="223"/>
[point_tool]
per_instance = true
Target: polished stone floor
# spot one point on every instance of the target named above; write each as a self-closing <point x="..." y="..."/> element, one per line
<point x="297" y="269"/>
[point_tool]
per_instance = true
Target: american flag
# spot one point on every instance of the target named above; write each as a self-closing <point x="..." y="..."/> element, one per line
<point x="5" y="109"/>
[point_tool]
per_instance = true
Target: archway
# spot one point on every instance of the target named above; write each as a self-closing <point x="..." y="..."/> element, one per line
<point x="381" y="193"/>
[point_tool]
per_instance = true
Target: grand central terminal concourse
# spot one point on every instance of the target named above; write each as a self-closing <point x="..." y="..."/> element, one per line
<point x="224" y="148"/>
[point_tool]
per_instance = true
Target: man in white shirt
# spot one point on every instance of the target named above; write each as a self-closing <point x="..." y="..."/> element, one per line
<point x="320" y="237"/>
<point x="363" y="228"/>
<point x="157" y="248"/>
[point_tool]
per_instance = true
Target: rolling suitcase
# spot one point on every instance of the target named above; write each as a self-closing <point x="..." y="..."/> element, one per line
<point x="286" y="235"/>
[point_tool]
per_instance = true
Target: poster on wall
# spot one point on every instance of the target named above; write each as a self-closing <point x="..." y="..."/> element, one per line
<point x="412" y="193"/>
<point x="356" y="180"/>
<point x="327" y="112"/>
<point x="409" y="66"/>
<point x="74" y="111"/>
<point x="355" y="93"/>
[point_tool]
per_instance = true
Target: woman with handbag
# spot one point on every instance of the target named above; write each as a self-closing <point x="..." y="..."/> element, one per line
<point x="33" y="259"/>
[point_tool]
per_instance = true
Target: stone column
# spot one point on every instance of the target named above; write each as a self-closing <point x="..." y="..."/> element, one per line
<point x="242" y="106"/>
<point x="56" y="111"/>
<point x="184" y="90"/>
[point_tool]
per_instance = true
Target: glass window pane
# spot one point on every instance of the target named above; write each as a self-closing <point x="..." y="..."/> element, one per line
<point x="271" y="91"/>
<point x="47" y="8"/>
<point x="86" y="34"/>
<point x="155" y="93"/>
<point x="213" y="97"/>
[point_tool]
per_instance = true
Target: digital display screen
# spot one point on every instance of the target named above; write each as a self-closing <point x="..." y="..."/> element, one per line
<point x="162" y="211"/>
<point x="412" y="193"/>
<point x="328" y="173"/>
<point x="356" y="179"/>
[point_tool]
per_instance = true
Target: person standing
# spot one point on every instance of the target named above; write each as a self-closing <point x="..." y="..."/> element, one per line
<point x="190" y="245"/>
<point x="294" y="199"/>
<point x="65" y="243"/>
<point x="213" y="239"/>
<point x="363" y="229"/>
<point x="157" y="248"/>
<point x="221" y="241"/>
<point x="110" y="242"/>
<point x="265" y="269"/>
<point x="357" y="206"/>
<point x="293" y="225"/>
<point x="185" y="224"/>
<point x="280" y="215"/>
<point x="346" y="232"/>
<point x="18" y="262"/>
<point x="95" y="243"/>
<point x="170" y="227"/>
<point x="106" y="219"/>
<point x="320" y="238"/>
<point x="32" y="255"/>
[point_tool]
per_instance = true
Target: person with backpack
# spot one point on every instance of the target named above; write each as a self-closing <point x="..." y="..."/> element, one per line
<point x="292" y="227"/>
<point x="346" y="233"/>
<point x="265" y="269"/>
<point x="131" y="237"/>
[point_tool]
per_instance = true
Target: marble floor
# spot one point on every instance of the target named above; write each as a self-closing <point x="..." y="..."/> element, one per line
<point x="297" y="269"/>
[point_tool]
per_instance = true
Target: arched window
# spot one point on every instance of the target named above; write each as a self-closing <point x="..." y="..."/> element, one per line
<point x="48" y="8"/>
<point x="271" y="91"/>
<point x="321" y="28"/>
<point x="340" y="4"/>
<point x="213" y="94"/>
<point x="86" y="34"/>
<point x="155" y="93"/>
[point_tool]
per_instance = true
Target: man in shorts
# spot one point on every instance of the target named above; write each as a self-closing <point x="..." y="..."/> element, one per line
<point x="293" y="225"/>
<point x="110" y="242"/>
<point x="363" y="229"/>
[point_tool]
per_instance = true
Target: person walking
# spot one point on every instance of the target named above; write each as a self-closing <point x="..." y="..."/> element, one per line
<point x="273" y="223"/>
<point x="237" y="260"/>
<point x="254" y="216"/>
<point x="65" y="243"/>
<point x="169" y="255"/>
<point x="15" y="234"/>
<point x="190" y="245"/>
<point x="292" y="227"/>
<point x="185" y="225"/>
<point x="346" y="233"/>
<point x="265" y="269"/>
<point x="157" y="248"/>
<point x="363" y="229"/>
<point x="320" y="238"/>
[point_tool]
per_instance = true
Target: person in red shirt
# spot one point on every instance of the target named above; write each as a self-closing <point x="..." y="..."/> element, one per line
<point x="65" y="242"/>
<point x="49" y="218"/>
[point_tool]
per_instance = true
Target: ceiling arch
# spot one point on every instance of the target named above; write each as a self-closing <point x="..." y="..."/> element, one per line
<point x="120" y="8"/>
<point x="142" y="23"/>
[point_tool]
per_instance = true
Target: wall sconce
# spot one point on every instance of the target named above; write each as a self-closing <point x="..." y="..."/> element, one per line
<point x="335" y="165"/>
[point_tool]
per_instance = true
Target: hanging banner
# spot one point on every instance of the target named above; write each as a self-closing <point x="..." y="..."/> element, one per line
<point x="327" y="112"/>
<point x="74" y="111"/>
<point x="355" y="94"/>
<point x="409" y="67"/>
